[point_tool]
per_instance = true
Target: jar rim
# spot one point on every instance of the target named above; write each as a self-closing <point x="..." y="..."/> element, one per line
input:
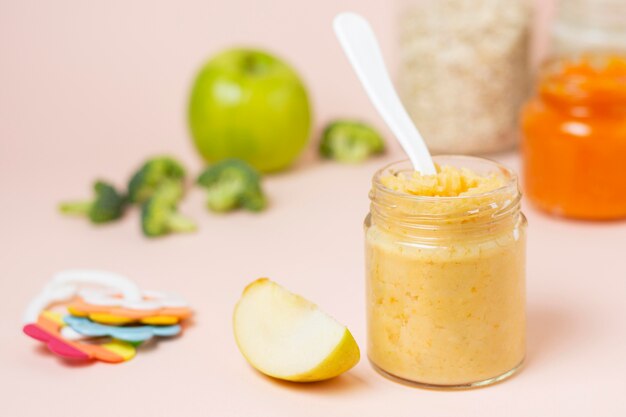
<point x="474" y="214"/>
<point x="510" y="176"/>
<point x="599" y="13"/>
<point x="559" y="83"/>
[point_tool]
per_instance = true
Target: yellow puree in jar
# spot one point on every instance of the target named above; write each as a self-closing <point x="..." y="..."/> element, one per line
<point x="449" y="182"/>
<point x="446" y="307"/>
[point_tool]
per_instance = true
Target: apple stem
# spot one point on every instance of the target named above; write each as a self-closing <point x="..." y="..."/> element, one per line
<point x="251" y="64"/>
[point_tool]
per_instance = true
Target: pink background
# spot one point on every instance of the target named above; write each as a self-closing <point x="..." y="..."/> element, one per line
<point x="90" y="88"/>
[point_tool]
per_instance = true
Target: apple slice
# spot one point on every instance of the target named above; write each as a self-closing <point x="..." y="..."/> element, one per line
<point x="285" y="336"/>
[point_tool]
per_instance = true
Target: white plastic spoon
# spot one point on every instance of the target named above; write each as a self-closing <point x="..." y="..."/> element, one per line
<point x="361" y="47"/>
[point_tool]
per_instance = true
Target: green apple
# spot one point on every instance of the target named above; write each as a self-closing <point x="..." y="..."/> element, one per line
<point x="250" y="105"/>
<point x="286" y="336"/>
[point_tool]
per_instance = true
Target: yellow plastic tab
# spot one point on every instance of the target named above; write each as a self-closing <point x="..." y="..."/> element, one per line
<point x="54" y="316"/>
<point x="75" y="312"/>
<point x="160" y="320"/>
<point x="123" y="349"/>
<point x="105" y="318"/>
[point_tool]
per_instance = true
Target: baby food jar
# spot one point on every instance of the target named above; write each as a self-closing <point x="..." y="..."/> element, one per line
<point x="589" y="25"/>
<point x="464" y="71"/>
<point x="574" y="128"/>
<point x="446" y="281"/>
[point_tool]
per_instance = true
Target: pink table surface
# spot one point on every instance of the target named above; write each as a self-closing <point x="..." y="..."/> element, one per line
<point x="88" y="89"/>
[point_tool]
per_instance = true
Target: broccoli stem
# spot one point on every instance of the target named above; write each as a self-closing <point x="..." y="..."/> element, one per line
<point x="179" y="223"/>
<point x="221" y="199"/>
<point x="77" y="208"/>
<point x="254" y="201"/>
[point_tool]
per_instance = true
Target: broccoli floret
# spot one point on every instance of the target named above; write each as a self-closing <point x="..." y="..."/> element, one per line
<point x="350" y="141"/>
<point x="160" y="216"/>
<point x="231" y="184"/>
<point x="108" y="204"/>
<point x="152" y="173"/>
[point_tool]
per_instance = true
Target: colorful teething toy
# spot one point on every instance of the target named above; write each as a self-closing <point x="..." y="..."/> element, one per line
<point x="116" y="301"/>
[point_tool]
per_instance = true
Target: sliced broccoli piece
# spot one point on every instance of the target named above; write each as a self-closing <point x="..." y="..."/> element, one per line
<point x="350" y="141"/>
<point x="151" y="174"/>
<point x="232" y="184"/>
<point x="108" y="204"/>
<point x="160" y="216"/>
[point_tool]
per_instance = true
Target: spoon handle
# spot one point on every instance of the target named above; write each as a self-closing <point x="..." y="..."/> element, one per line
<point x="361" y="47"/>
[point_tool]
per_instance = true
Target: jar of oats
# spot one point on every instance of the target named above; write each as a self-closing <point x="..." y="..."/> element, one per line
<point x="464" y="71"/>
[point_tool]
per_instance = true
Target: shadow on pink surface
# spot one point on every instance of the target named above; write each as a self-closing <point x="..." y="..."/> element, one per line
<point x="42" y="350"/>
<point x="551" y="329"/>
<point x="342" y="384"/>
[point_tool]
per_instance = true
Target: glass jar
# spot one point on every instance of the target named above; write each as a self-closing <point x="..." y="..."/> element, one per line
<point x="574" y="128"/>
<point x="446" y="281"/>
<point x="464" y="71"/>
<point x="589" y="25"/>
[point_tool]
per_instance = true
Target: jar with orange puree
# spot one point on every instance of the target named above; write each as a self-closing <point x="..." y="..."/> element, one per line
<point x="574" y="128"/>
<point x="445" y="273"/>
<point x="574" y="138"/>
